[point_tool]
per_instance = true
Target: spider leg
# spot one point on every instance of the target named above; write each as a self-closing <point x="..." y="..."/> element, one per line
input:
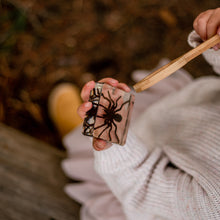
<point x="110" y="97"/>
<point x="103" y="106"/>
<point x="98" y="116"/>
<point x="100" y="126"/>
<point x="103" y="131"/>
<point x="107" y="100"/>
<point x="116" y="102"/>
<point x="87" y="128"/>
<point x="122" y="106"/>
<point x="116" y="131"/>
<point x="109" y="132"/>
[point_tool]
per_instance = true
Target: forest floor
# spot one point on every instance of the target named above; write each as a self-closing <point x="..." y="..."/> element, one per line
<point x="43" y="43"/>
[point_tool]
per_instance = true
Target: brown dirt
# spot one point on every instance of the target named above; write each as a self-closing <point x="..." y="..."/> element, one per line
<point x="43" y="43"/>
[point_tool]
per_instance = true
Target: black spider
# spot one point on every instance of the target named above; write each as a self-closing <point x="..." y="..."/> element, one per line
<point x="110" y="116"/>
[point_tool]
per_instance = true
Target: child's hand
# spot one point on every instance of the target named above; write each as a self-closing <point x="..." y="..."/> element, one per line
<point x="207" y="24"/>
<point x="98" y="144"/>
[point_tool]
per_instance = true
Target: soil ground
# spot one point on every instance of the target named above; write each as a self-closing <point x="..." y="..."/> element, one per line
<point x="43" y="43"/>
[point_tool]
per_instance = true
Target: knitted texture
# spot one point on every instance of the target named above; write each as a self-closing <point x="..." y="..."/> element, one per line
<point x="180" y="177"/>
<point x="212" y="57"/>
<point x="170" y="167"/>
<point x="97" y="200"/>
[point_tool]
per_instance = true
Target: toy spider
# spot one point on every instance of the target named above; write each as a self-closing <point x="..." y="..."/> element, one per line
<point x="110" y="116"/>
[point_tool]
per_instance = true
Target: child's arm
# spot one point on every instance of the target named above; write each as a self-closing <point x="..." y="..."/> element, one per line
<point x="128" y="169"/>
<point x="185" y="130"/>
<point x="146" y="183"/>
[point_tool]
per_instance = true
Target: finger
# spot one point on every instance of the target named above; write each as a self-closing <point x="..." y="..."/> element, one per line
<point x="115" y="83"/>
<point x="196" y="21"/>
<point x="203" y="14"/>
<point x="124" y="87"/>
<point x="110" y="81"/>
<point x="213" y="23"/>
<point x="85" y="92"/>
<point x="200" y="24"/>
<point x="216" y="47"/>
<point x="99" y="144"/>
<point x="86" y="106"/>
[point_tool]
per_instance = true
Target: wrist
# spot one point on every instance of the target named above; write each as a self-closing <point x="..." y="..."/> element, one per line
<point x="118" y="156"/>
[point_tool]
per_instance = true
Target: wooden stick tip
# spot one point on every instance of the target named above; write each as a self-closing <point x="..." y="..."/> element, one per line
<point x="137" y="88"/>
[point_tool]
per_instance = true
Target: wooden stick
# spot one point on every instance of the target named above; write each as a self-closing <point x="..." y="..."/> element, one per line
<point x="174" y="65"/>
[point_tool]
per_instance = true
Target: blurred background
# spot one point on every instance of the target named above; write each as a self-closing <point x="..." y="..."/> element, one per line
<point x="43" y="43"/>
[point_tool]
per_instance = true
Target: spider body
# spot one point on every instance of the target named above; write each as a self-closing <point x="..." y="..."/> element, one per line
<point x="110" y="116"/>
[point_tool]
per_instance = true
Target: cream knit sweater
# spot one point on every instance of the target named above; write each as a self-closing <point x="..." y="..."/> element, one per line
<point x="170" y="165"/>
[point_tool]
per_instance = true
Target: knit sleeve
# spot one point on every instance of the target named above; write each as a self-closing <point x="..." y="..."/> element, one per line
<point x="180" y="177"/>
<point x="140" y="180"/>
<point x="211" y="56"/>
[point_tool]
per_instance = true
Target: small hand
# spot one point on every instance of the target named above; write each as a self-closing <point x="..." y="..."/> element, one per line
<point x="207" y="24"/>
<point x="98" y="144"/>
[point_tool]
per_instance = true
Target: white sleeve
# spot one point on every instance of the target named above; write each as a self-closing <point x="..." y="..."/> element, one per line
<point x="137" y="178"/>
<point x="187" y="134"/>
<point x="147" y="186"/>
<point x="211" y="56"/>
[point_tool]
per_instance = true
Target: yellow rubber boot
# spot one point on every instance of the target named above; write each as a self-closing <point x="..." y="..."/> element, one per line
<point x="62" y="106"/>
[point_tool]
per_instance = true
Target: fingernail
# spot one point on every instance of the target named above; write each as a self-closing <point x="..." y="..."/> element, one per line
<point x="114" y="81"/>
<point x="87" y="104"/>
<point x="90" y="83"/>
<point x="128" y="89"/>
